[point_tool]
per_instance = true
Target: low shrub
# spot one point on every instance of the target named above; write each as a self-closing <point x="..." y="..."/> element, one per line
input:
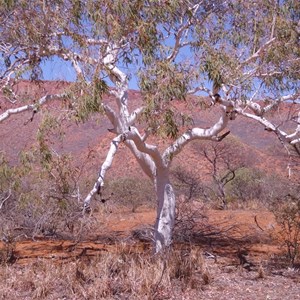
<point x="287" y="214"/>
<point x="130" y="192"/>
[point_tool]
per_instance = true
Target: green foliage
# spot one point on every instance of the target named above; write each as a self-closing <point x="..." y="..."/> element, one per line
<point x="7" y="4"/>
<point x="218" y="65"/>
<point x="247" y="184"/>
<point x="63" y="175"/>
<point x="169" y="51"/>
<point x="254" y="184"/>
<point x="213" y="67"/>
<point x="42" y="199"/>
<point x="170" y="126"/>
<point x="163" y="82"/>
<point x="7" y="91"/>
<point x="9" y="178"/>
<point x="48" y="127"/>
<point x="88" y="98"/>
<point x="160" y="85"/>
<point x="77" y="11"/>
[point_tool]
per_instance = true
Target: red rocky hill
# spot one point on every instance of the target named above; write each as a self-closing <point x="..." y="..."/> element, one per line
<point x="17" y="133"/>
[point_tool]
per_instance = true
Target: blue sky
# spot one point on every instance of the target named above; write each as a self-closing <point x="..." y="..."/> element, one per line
<point x="59" y="69"/>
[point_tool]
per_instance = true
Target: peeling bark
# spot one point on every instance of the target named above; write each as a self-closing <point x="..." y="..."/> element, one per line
<point x="163" y="228"/>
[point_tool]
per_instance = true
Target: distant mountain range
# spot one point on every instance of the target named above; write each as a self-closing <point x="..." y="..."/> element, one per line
<point x="17" y="134"/>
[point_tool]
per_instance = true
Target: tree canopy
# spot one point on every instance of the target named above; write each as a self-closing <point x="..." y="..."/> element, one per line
<point x="171" y="48"/>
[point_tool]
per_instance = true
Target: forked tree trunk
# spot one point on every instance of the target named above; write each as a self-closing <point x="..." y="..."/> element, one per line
<point x="164" y="225"/>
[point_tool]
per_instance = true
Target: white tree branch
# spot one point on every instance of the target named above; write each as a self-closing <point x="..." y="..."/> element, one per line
<point x="5" y="199"/>
<point x="8" y="75"/>
<point x="296" y="132"/>
<point x="134" y="115"/>
<point x="197" y="133"/>
<point x="95" y="42"/>
<point x="77" y="68"/>
<point x="178" y="44"/>
<point x="151" y="150"/>
<point x="105" y="166"/>
<point x="110" y="113"/>
<point x="109" y="60"/>
<point x="258" y="53"/>
<point x="118" y="78"/>
<point x="269" y="125"/>
<point x="198" y="89"/>
<point x="33" y="106"/>
<point x="259" y="110"/>
<point x="145" y="161"/>
<point x="294" y="142"/>
<point x="14" y="67"/>
<point x="283" y="136"/>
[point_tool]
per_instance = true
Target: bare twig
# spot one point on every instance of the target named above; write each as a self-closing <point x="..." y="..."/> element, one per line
<point x="5" y="199"/>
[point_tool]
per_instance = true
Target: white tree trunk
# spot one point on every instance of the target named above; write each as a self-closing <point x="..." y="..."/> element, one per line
<point x="164" y="225"/>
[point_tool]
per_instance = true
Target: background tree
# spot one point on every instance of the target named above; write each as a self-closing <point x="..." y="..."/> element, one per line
<point x="188" y="184"/>
<point x="243" y="55"/>
<point x="224" y="159"/>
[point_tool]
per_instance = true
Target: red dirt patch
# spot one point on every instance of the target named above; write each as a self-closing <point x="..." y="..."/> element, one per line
<point x="237" y="225"/>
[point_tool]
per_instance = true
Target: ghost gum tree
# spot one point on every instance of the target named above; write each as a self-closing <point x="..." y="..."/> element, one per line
<point x="244" y="55"/>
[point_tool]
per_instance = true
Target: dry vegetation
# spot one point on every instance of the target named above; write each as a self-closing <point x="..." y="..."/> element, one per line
<point x="186" y="273"/>
<point x="216" y="255"/>
<point x="50" y="250"/>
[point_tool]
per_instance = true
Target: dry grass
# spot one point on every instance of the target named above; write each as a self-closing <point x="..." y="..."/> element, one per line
<point x="184" y="273"/>
<point x="261" y="274"/>
<point x="120" y="275"/>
